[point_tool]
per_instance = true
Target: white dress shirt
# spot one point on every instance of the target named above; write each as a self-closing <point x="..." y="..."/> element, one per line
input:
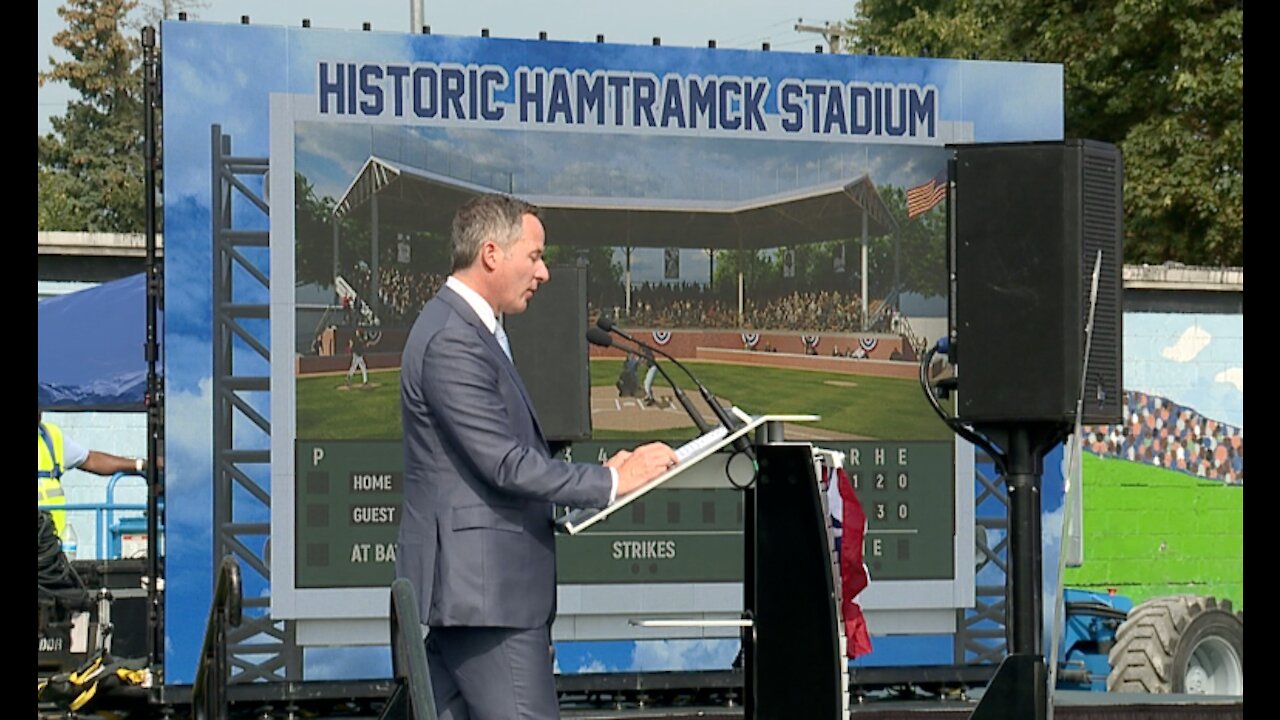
<point x="484" y="311"/>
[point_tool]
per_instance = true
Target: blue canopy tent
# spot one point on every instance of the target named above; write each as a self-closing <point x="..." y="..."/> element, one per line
<point x="91" y="347"/>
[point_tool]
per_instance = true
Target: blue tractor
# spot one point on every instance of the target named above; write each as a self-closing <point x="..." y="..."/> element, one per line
<point x="1175" y="644"/>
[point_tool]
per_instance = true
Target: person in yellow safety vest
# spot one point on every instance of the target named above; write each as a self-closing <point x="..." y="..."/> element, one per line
<point x="56" y="454"/>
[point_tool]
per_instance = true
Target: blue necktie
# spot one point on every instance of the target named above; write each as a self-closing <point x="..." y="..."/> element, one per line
<point x="501" y="336"/>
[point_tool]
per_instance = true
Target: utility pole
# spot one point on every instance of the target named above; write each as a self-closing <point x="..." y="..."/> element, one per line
<point x="835" y="35"/>
<point x="415" y="16"/>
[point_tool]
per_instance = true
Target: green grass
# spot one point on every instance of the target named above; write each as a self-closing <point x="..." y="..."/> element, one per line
<point x="1150" y="532"/>
<point x="877" y="407"/>
<point x="327" y="413"/>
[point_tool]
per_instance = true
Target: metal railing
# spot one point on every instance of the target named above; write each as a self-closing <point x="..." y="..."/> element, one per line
<point x="104" y="515"/>
<point x="209" y="693"/>
<point x="412" y="698"/>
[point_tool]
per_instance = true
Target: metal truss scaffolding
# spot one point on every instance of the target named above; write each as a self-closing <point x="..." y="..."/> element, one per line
<point x="982" y="635"/>
<point x="260" y="649"/>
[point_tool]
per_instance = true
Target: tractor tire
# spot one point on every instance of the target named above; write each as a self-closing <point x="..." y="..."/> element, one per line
<point x="1180" y="644"/>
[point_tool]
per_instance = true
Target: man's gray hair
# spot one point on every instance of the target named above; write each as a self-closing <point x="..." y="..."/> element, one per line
<point x="495" y="217"/>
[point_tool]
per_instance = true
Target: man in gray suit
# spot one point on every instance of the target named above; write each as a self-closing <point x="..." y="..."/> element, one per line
<point x="476" y="538"/>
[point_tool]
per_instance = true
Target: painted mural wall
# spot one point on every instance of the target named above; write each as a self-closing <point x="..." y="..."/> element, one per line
<point x="1164" y="491"/>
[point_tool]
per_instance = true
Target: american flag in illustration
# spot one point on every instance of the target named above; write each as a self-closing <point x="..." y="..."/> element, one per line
<point x="922" y="198"/>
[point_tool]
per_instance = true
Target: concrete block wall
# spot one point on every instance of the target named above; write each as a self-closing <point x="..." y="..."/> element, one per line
<point x="123" y="434"/>
<point x="1150" y="532"/>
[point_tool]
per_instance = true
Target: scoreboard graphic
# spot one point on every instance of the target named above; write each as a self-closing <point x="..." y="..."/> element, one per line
<point x="349" y="502"/>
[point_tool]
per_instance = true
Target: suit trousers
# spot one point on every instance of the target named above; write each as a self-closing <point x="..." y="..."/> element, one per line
<point x="484" y="673"/>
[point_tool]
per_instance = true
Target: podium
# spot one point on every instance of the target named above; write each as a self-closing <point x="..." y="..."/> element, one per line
<point x="792" y="632"/>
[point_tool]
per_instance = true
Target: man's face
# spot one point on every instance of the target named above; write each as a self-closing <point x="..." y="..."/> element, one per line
<point x="520" y="269"/>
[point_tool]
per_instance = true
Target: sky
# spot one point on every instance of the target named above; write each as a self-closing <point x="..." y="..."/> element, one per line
<point x="690" y="23"/>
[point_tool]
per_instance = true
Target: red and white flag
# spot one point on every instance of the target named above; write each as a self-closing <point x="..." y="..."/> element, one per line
<point x="922" y="198"/>
<point x="853" y="573"/>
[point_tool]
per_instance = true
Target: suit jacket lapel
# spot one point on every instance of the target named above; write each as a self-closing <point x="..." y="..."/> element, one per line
<point x="468" y="313"/>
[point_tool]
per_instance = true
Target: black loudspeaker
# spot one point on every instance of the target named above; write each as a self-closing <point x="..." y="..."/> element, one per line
<point x="1029" y="221"/>
<point x="549" y="346"/>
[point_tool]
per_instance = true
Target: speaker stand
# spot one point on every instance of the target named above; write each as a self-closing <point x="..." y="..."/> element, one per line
<point x="1018" y="691"/>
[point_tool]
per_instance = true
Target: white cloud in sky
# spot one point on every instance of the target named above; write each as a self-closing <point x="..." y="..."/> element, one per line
<point x="347" y="663"/>
<point x="1193" y="340"/>
<point x="188" y="429"/>
<point x="1232" y="376"/>
<point x="594" y="665"/>
<point x="332" y="144"/>
<point x="683" y="655"/>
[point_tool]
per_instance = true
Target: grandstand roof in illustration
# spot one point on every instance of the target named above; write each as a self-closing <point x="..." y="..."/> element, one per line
<point x="413" y="199"/>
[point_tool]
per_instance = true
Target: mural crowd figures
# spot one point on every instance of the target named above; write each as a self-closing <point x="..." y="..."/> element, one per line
<point x="688" y="305"/>
<point x="1159" y="432"/>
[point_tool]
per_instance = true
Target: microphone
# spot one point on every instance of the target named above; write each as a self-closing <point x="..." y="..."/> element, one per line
<point x="606" y="324"/>
<point x="596" y="336"/>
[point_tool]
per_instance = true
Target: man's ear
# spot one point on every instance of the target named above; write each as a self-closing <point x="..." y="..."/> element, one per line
<point x="489" y="255"/>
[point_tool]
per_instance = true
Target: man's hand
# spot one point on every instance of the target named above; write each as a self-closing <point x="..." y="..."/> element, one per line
<point x="617" y="459"/>
<point x="642" y="465"/>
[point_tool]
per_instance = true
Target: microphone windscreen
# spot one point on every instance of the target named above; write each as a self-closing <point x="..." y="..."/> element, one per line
<point x="605" y="323"/>
<point x="596" y="336"/>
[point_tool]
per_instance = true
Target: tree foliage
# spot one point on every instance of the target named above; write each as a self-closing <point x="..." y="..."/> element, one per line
<point x="90" y="168"/>
<point x="604" y="275"/>
<point x="911" y="259"/>
<point x="1163" y="80"/>
<point x="314" y="246"/>
<point x="154" y="11"/>
<point x="920" y="251"/>
<point x="313" y="251"/>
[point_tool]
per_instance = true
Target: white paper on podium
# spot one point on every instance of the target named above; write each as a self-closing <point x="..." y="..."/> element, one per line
<point x="687" y="454"/>
<point x="689" y="449"/>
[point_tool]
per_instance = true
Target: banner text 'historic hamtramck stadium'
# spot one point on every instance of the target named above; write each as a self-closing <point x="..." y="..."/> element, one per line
<point x="626" y="101"/>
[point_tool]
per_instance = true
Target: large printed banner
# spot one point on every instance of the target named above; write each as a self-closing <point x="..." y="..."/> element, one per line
<point x="706" y="189"/>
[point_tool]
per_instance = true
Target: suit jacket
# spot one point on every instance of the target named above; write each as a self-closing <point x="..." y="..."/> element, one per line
<point x="476" y="533"/>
